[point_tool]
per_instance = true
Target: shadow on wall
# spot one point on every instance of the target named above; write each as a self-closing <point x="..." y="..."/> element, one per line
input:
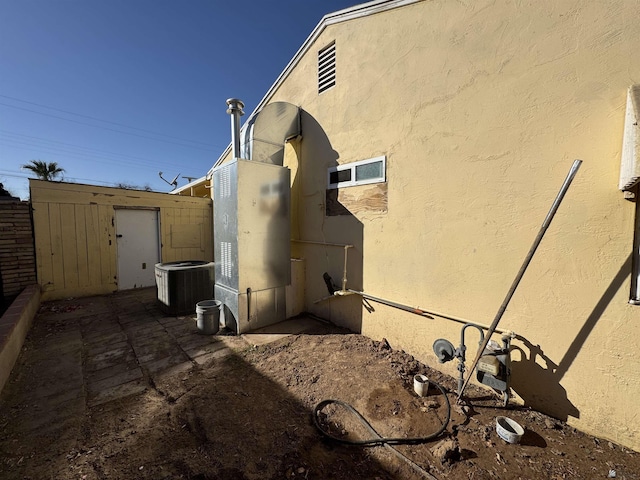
<point x="540" y="387"/>
<point x="311" y="223"/>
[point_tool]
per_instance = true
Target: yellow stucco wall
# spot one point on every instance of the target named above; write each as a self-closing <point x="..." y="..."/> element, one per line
<point x="75" y="234"/>
<point x="480" y="108"/>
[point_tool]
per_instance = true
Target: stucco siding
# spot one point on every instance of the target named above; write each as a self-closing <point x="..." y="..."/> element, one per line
<point x="480" y="109"/>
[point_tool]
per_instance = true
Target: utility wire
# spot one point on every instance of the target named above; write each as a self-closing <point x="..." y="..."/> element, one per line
<point x="104" y="121"/>
<point x="40" y="139"/>
<point x="106" y="128"/>
<point x="26" y="176"/>
<point x="82" y="155"/>
<point x="2" y="174"/>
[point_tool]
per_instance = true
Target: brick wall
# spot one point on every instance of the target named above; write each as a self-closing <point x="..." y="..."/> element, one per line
<point x="17" y="255"/>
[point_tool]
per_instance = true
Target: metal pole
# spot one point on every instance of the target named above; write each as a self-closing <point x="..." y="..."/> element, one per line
<point x="523" y="268"/>
<point x="400" y="306"/>
<point x="235" y="110"/>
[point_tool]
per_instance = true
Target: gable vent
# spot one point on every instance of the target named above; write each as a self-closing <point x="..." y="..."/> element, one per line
<point x="327" y="68"/>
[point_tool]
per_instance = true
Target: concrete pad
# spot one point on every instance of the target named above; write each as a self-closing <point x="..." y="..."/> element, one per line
<point x="110" y="359"/>
<point x="95" y="335"/>
<point x="173" y="370"/>
<point x="68" y="354"/>
<point x="147" y="353"/>
<point x="120" y="350"/>
<point x="65" y="396"/>
<point x="119" y="391"/>
<point x="235" y="343"/>
<point x="133" y="319"/>
<point x="57" y="387"/>
<point x="293" y="326"/>
<point x="95" y="387"/>
<point x="119" y="368"/>
<point x="96" y="318"/>
<point x="111" y="337"/>
<point x="205" y="349"/>
<point x="187" y="328"/>
<point x="149" y="337"/>
<point x="174" y="321"/>
<point x="165" y="363"/>
<point x="93" y="350"/>
<point x="203" y="359"/>
<point x="194" y="340"/>
<point x="74" y="309"/>
<point x="60" y="344"/>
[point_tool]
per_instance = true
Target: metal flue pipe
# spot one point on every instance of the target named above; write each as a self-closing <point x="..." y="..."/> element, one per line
<point x="235" y="110"/>
<point x="523" y="268"/>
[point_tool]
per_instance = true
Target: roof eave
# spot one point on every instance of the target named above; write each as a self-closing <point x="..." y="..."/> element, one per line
<point x="351" y="13"/>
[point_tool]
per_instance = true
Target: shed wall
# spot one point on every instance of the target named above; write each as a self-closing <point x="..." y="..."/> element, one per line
<point x="75" y="234"/>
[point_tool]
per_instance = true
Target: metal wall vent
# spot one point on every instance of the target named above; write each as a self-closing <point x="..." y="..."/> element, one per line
<point x="327" y="68"/>
<point x="225" y="184"/>
<point x="227" y="262"/>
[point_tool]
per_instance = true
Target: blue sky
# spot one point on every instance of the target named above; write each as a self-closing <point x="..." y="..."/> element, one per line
<point x="115" y="91"/>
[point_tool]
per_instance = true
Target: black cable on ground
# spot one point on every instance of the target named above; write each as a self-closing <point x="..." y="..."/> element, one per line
<point x="378" y="439"/>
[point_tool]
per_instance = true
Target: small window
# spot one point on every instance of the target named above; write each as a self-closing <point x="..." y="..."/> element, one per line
<point x="363" y="172"/>
<point x="327" y="68"/>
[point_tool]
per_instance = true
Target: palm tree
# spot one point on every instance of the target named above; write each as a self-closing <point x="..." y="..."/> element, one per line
<point x="44" y="170"/>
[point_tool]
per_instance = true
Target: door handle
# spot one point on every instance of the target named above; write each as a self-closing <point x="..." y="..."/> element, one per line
<point x="118" y="236"/>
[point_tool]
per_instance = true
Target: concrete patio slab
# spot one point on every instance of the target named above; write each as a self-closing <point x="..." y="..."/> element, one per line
<point x="98" y="375"/>
<point x="263" y="336"/>
<point x="83" y="355"/>
<point x="117" y="392"/>
<point x="96" y="386"/>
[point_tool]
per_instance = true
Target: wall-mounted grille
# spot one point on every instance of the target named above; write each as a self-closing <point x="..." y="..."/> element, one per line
<point x="225" y="183"/>
<point x="327" y="68"/>
<point x="226" y="259"/>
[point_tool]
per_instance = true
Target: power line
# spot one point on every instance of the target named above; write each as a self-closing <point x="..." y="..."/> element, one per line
<point x="104" y="121"/>
<point x="24" y="175"/>
<point x="66" y="179"/>
<point x="52" y="149"/>
<point x="106" y="128"/>
<point x="41" y="139"/>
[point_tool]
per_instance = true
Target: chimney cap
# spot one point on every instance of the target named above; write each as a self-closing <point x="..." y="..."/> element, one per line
<point x="235" y="104"/>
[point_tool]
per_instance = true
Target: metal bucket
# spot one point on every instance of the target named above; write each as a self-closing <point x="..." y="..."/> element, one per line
<point x="208" y="316"/>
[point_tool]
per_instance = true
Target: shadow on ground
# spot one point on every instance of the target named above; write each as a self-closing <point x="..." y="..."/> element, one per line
<point x="108" y="387"/>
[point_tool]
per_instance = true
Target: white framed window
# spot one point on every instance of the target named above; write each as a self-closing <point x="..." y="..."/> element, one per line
<point x="363" y="172"/>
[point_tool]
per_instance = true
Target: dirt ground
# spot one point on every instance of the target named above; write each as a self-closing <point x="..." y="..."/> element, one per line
<point x="248" y="415"/>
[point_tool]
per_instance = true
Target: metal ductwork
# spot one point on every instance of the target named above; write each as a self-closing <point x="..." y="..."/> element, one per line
<point x="252" y="241"/>
<point x="235" y="110"/>
<point x="264" y="135"/>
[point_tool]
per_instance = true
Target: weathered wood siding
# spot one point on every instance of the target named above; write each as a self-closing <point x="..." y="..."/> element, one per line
<point x="17" y="264"/>
<point x="74" y="230"/>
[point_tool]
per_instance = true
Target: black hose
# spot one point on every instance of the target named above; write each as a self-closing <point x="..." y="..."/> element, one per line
<point x="378" y="440"/>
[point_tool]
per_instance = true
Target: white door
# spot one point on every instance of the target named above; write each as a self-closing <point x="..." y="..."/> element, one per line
<point x="138" y="247"/>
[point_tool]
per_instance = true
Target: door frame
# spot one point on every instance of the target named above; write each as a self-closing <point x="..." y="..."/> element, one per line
<point x="158" y="233"/>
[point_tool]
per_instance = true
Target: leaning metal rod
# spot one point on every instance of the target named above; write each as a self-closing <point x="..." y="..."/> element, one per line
<point x="523" y="268"/>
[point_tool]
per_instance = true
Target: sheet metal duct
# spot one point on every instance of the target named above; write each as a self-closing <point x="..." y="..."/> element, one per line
<point x="263" y="137"/>
<point x="252" y="241"/>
